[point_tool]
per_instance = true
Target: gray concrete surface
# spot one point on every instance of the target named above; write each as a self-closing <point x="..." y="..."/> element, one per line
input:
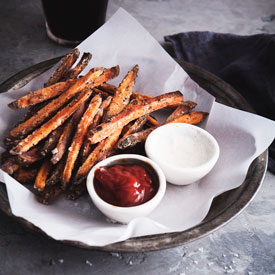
<point x="244" y="246"/>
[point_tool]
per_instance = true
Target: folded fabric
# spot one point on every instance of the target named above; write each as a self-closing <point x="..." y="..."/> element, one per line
<point x="247" y="63"/>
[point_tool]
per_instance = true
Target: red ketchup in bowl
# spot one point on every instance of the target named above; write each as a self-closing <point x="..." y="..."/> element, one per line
<point x="125" y="184"/>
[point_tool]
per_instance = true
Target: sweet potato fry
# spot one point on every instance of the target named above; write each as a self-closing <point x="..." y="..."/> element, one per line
<point x="153" y="121"/>
<point x="41" y="95"/>
<point x="66" y="135"/>
<point x="65" y="64"/>
<point x="51" y="140"/>
<point x="132" y="113"/>
<point x="122" y="95"/>
<point x="111" y="89"/>
<point x="135" y="127"/>
<point x="82" y="128"/>
<point x="49" y="193"/>
<point x="10" y="165"/>
<point x="25" y="175"/>
<point x="41" y="177"/>
<point x="10" y="142"/>
<point x="87" y="146"/>
<point x="108" y="88"/>
<point x="56" y="174"/>
<point x="101" y="111"/>
<point x="99" y="153"/>
<point x="191" y="118"/>
<point x="74" y="72"/>
<point x="102" y="93"/>
<point x="93" y="78"/>
<point x="182" y="109"/>
<point x="76" y="191"/>
<point x="52" y="124"/>
<point x="133" y="139"/>
<point x="31" y="156"/>
<point x="104" y="147"/>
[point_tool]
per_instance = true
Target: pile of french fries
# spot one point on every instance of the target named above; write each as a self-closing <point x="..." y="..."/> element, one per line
<point x="76" y="121"/>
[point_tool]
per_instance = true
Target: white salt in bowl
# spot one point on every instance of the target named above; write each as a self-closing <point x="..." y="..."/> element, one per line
<point x="186" y="153"/>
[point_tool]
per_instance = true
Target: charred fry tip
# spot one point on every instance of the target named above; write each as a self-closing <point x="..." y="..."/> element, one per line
<point x="13" y="105"/>
<point x="115" y="70"/>
<point x="135" y="69"/>
<point x="189" y="103"/>
<point x="87" y="56"/>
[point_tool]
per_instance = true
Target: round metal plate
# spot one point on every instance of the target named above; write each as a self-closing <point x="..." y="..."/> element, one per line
<point x="224" y="207"/>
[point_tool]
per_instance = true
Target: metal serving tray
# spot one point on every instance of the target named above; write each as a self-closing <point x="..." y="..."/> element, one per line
<point x="224" y="207"/>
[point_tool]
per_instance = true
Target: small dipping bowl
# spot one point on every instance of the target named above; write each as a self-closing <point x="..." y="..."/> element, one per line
<point x="185" y="153"/>
<point x="126" y="214"/>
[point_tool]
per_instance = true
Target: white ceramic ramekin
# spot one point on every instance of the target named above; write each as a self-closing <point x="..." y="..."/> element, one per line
<point x="160" y="143"/>
<point x="126" y="214"/>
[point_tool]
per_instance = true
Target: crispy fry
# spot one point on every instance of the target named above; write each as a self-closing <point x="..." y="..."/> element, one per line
<point x="10" y="165"/>
<point x="56" y="174"/>
<point x="52" y="140"/>
<point x="52" y="124"/>
<point x="30" y="156"/>
<point x="25" y="175"/>
<point x="102" y="109"/>
<point x="99" y="153"/>
<point x="66" y="135"/>
<point x="74" y="72"/>
<point x="133" y="139"/>
<point x="87" y="146"/>
<point x="182" y="109"/>
<point x="11" y="141"/>
<point x="82" y="128"/>
<point x="93" y="78"/>
<point x="111" y="89"/>
<point x="41" y="95"/>
<point x="55" y="104"/>
<point x="102" y="93"/>
<point x="76" y="191"/>
<point x="191" y="118"/>
<point x="132" y="113"/>
<point x="153" y="121"/>
<point x="108" y="88"/>
<point x="41" y="177"/>
<point x="104" y="147"/>
<point x="122" y="96"/>
<point x="49" y="193"/>
<point x="65" y="64"/>
<point x="136" y="126"/>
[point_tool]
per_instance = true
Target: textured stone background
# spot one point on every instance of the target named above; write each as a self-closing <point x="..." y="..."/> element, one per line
<point x="244" y="246"/>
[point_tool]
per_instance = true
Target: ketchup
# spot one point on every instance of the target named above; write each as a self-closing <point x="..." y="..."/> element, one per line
<point x="125" y="184"/>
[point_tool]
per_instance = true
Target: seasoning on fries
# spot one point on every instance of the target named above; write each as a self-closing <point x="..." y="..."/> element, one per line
<point x="76" y="121"/>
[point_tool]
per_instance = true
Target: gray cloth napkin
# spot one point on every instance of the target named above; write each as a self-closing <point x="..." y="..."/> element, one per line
<point x="247" y="63"/>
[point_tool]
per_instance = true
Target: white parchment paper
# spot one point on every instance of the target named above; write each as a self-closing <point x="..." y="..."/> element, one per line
<point x="242" y="137"/>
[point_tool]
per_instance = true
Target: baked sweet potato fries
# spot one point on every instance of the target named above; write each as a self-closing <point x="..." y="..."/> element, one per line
<point x="76" y="121"/>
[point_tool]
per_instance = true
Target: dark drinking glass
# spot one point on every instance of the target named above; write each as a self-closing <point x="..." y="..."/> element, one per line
<point x="70" y="22"/>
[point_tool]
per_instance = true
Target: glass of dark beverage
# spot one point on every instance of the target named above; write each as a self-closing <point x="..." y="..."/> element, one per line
<point x="70" y="22"/>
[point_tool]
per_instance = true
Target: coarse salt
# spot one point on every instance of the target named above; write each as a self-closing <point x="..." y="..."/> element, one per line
<point x="54" y="151"/>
